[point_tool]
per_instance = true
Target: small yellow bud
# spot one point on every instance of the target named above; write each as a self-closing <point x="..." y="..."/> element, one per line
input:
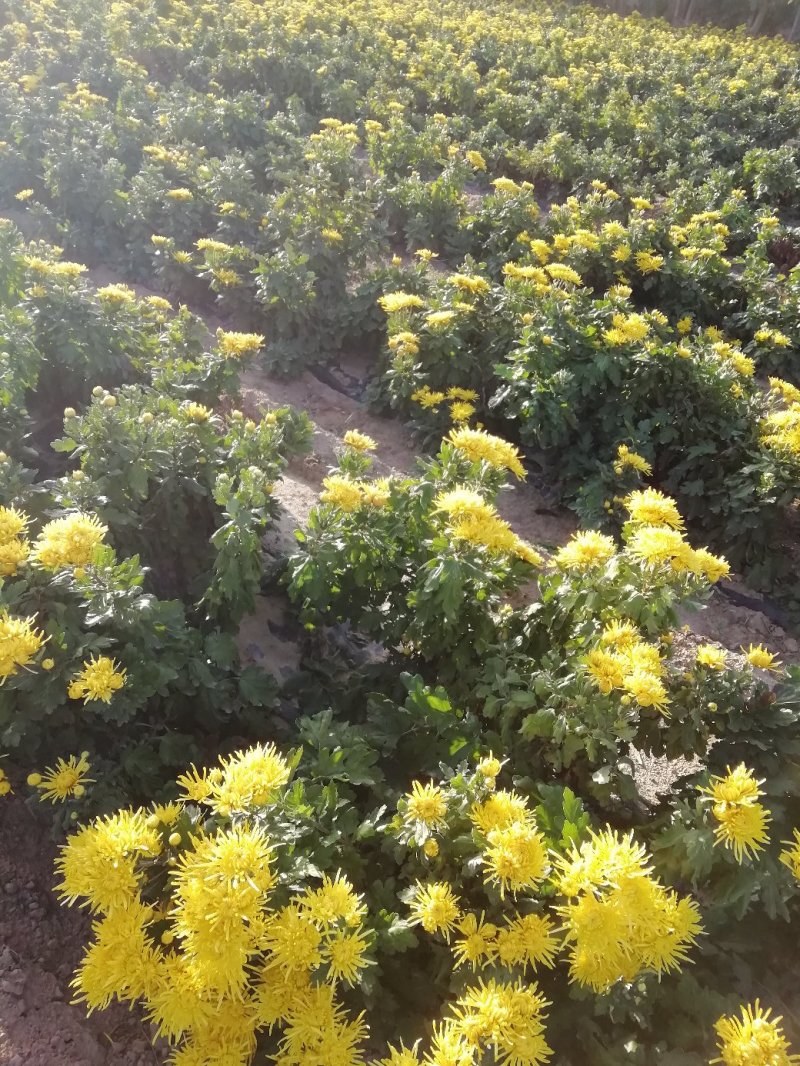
<point x="78" y="791"/>
<point x="712" y="707"/>
<point x="69" y="412"/>
<point x="109" y="401"/>
<point x="79" y="573"/>
<point x="48" y="664"/>
<point x="174" y="840"/>
<point x="431" y="849"/>
<point x="147" y="418"/>
<point x="78" y="475"/>
<point x="98" y="390"/>
<point x="167" y="936"/>
<point x="625" y="701"/>
<point x="34" y="780"/>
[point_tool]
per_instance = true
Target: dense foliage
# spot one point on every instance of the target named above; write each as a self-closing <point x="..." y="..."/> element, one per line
<point x="435" y="842"/>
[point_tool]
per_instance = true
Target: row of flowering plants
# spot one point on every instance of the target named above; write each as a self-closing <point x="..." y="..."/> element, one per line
<point x="457" y="865"/>
<point x="130" y="523"/>
<point x="457" y="861"/>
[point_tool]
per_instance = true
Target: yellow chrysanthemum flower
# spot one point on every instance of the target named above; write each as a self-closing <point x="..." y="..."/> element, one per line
<point x="67" y="778"/>
<point x="68" y="541"/>
<point x="758" y="656"/>
<point x="652" y="508"/>
<point x="585" y="550"/>
<point x="19" y="643"/>
<point x="359" y="442"/>
<point x="436" y="908"/>
<point x="99" y="679"/>
<point x="426" y="804"/>
<point x="755" y="1039"/>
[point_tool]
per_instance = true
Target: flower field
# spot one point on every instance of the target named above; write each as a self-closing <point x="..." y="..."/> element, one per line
<point x="560" y="246"/>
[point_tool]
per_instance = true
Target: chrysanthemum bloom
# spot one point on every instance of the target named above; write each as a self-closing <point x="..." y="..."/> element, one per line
<point x="742" y="821"/>
<point x="401" y="1056"/>
<point x="606" y="669"/>
<point x="476" y="943"/>
<point x="116" y="294"/>
<point x="489" y="531"/>
<point x="13" y="523"/>
<point x="561" y="272"/>
<point x="660" y="546"/>
<point x="620" y="921"/>
<point x="13" y="554"/>
<point x="359" y="442"/>
<point x="461" y="411"/>
<point x="406" y="343"/>
<point x="68" y="541"/>
<point x="516" y="857"/>
<point x="99" y="679"/>
<point x="506" y="186"/>
<point x="755" y="1039"/>
<point x="426" y="804"/>
<point x="463" y="502"/>
<point x="248" y="780"/>
<point x="647" y="689"/>
<point x="508" y="1017"/>
<point x="393" y="302"/>
<point x="469" y="283"/>
<point x="480" y="446"/>
<point x="335" y="901"/>
<point x="196" y="412"/>
<point x="758" y="656"/>
<point x="65" y="779"/>
<point x="19" y="643"/>
<point x="585" y="550"/>
<point x="652" y="508"/>
<point x="427" y="398"/>
<point x="626" y="459"/>
<point x="529" y="941"/>
<point x="345" y="955"/>
<point x="648" y="263"/>
<point x="713" y="567"/>
<point x="737" y="786"/>
<point x="742" y="828"/>
<point x="790" y="856"/>
<point x="436" y="908"/>
<point x="99" y="863"/>
<point x="499" y="811"/>
<point x="711" y="656"/>
<point x="342" y="492"/>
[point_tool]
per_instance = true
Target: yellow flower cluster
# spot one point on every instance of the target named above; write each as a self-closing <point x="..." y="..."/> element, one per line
<point x="14" y="547"/>
<point x="655" y="538"/>
<point x="347" y="494"/>
<point x="481" y="447"/>
<point x="629" y="460"/>
<point x="472" y="519"/>
<point x="222" y="958"/>
<point x="69" y="541"/>
<point x="624" y="661"/>
<point x="755" y="1039"/>
<point x="237" y="345"/>
<point x="620" y="922"/>
<point x="741" y="820"/>
<point x="19" y="643"/>
<point x="99" y="679"/>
